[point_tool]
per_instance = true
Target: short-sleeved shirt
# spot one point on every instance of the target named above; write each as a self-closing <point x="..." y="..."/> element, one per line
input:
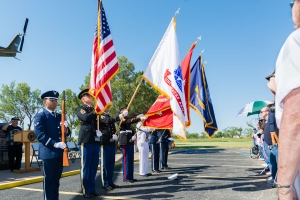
<point x="287" y="76"/>
<point x="267" y="134"/>
<point x="9" y="135"/>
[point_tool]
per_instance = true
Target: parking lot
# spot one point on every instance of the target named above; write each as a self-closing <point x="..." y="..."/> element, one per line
<point x="204" y="174"/>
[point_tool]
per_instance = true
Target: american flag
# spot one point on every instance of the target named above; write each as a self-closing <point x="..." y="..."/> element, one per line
<point x="104" y="62"/>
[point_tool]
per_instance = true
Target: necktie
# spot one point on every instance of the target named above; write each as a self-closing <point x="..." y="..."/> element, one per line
<point x="53" y="114"/>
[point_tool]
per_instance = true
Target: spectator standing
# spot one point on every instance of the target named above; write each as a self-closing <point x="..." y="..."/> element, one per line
<point x="14" y="148"/>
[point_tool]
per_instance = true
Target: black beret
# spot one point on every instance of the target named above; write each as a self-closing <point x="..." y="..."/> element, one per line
<point x="15" y="118"/>
<point x="83" y="92"/>
<point x="50" y="94"/>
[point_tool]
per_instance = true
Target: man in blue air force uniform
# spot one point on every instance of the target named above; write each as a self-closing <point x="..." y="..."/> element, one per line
<point x="164" y="137"/>
<point x="89" y="139"/>
<point x="108" y="148"/>
<point x="47" y="130"/>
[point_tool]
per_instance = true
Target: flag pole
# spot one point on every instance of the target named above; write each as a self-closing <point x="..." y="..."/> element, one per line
<point x="134" y="94"/>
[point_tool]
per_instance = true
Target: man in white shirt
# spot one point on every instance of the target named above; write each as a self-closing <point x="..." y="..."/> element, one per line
<point x="286" y="87"/>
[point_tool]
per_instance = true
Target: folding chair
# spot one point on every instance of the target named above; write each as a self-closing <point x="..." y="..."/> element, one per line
<point x="73" y="152"/>
<point x="35" y="150"/>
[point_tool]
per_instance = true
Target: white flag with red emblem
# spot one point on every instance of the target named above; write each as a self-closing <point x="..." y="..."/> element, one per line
<point x="164" y="73"/>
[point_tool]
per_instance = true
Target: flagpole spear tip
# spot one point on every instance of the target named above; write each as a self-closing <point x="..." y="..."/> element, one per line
<point x="202" y="52"/>
<point x="177" y="12"/>
<point x="199" y="38"/>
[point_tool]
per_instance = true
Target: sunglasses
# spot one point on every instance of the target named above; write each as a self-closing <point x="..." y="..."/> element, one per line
<point x="292" y="3"/>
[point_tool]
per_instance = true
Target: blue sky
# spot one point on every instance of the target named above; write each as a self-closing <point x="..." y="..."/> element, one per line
<point x="241" y="40"/>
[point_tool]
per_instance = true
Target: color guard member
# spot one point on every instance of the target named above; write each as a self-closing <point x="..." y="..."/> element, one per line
<point x="47" y="130"/>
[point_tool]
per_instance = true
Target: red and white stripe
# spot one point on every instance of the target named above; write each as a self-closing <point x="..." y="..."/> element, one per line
<point x="104" y="67"/>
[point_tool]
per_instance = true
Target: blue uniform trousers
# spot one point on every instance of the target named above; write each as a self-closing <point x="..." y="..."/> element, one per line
<point x="109" y="153"/>
<point x="163" y="154"/>
<point x="52" y="169"/>
<point x="127" y="161"/>
<point x="155" y="156"/>
<point x="89" y="165"/>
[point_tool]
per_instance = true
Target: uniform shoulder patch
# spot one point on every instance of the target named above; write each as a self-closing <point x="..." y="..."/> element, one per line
<point x="82" y="111"/>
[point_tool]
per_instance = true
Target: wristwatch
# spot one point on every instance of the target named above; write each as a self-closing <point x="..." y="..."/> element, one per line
<point x="276" y="185"/>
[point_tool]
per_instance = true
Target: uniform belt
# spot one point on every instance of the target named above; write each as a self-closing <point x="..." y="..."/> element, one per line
<point x="127" y="131"/>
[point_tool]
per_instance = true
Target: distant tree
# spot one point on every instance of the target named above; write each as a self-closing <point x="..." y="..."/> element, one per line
<point x="231" y="131"/>
<point x="19" y="101"/>
<point x="249" y="124"/>
<point x="192" y="136"/>
<point x="219" y="134"/>
<point x="123" y="86"/>
<point x="239" y="131"/>
<point x="247" y="132"/>
<point x="203" y="135"/>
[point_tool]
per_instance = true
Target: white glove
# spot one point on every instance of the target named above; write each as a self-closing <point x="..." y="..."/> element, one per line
<point x="171" y="139"/>
<point x="65" y="123"/>
<point x="61" y="145"/>
<point x="143" y="118"/>
<point x="125" y="113"/>
<point x="149" y="137"/>
<point x="99" y="133"/>
<point x="115" y="137"/>
<point x="133" y="138"/>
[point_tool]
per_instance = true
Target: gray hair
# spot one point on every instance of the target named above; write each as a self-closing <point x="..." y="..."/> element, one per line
<point x="266" y="109"/>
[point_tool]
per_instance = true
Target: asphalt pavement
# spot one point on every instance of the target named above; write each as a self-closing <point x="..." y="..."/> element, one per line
<point x="204" y="174"/>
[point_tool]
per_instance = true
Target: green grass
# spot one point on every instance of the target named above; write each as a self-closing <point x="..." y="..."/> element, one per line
<point x="213" y="143"/>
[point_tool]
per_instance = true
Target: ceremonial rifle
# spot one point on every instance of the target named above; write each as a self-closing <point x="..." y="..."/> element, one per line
<point x="63" y="130"/>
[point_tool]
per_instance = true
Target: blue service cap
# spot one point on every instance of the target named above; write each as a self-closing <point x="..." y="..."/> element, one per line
<point x="83" y="92"/>
<point x="50" y="95"/>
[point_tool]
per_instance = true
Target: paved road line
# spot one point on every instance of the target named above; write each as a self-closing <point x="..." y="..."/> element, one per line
<point x="198" y="164"/>
<point x="72" y="193"/>
<point x="173" y="158"/>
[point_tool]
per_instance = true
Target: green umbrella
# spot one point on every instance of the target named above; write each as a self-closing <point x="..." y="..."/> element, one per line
<point x="253" y="108"/>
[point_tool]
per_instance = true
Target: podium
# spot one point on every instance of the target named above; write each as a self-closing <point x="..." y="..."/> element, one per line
<point x="26" y="137"/>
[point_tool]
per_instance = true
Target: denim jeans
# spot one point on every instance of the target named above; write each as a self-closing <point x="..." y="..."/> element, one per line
<point x="273" y="160"/>
<point x="261" y="153"/>
<point x="268" y="152"/>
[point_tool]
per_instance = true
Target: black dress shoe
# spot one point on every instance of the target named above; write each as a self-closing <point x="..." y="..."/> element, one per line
<point x="114" y="186"/>
<point x="149" y="174"/>
<point x="135" y="180"/>
<point x="108" y="188"/>
<point x="88" y="196"/>
<point x="95" y="194"/>
<point x="156" y="171"/>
